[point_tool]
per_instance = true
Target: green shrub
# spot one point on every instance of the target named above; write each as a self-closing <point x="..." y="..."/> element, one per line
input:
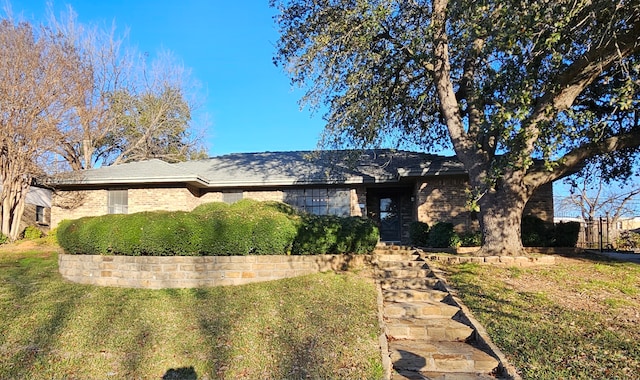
<point x="471" y="239"/>
<point x="419" y="234"/>
<point x="3" y="239"/>
<point x="628" y="240"/>
<point x="442" y="235"/>
<point x="356" y="235"/>
<point x="246" y="227"/>
<point x="167" y="233"/>
<point x="535" y="232"/>
<point x="566" y="234"/>
<point x="318" y="234"/>
<point x="327" y="234"/>
<point x="32" y="233"/>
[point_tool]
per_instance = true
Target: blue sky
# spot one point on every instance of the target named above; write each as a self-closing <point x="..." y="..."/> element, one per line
<point x="249" y="103"/>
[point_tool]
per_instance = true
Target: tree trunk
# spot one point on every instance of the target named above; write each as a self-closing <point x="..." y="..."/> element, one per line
<point x="500" y="217"/>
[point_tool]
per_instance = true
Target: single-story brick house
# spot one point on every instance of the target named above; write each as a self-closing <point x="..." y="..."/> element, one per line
<point x="392" y="187"/>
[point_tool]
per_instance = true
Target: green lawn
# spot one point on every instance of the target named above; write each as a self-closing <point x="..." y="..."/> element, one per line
<point x="321" y="326"/>
<point x="579" y="319"/>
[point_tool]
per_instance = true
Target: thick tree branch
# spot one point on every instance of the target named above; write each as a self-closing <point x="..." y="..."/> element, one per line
<point x="575" y="159"/>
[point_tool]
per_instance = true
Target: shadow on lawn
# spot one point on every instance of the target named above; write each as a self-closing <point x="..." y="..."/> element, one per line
<point x="213" y="324"/>
<point x="35" y="278"/>
<point x="184" y="373"/>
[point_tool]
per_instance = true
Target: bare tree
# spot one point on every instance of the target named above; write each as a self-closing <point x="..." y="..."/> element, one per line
<point x="592" y="195"/>
<point x="36" y="90"/>
<point x="130" y="109"/>
<point x="104" y="69"/>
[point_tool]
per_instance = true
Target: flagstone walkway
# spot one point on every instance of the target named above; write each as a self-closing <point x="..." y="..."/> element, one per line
<point x="429" y="336"/>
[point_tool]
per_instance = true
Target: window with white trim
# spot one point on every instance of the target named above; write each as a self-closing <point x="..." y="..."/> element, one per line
<point x="118" y="202"/>
<point x="40" y="215"/>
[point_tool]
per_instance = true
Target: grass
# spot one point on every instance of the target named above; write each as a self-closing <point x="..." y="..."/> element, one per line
<point x="578" y="319"/>
<point x="313" y="327"/>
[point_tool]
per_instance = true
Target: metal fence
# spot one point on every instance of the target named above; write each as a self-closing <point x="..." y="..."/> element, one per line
<point x="598" y="233"/>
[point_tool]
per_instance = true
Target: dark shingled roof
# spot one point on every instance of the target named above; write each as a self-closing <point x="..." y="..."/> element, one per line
<point x="275" y="169"/>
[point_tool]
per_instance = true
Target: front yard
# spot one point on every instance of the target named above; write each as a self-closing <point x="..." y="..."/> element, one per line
<point x="579" y="319"/>
<point x="319" y="326"/>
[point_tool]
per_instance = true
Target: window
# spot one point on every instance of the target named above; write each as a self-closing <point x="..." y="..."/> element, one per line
<point x="232" y="197"/>
<point x="40" y="215"/>
<point x="321" y="201"/>
<point x="118" y="202"/>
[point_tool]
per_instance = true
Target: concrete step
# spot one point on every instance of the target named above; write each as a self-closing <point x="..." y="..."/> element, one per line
<point x="431" y="329"/>
<point x="410" y="295"/>
<point x="402" y="264"/>
<point x="423" y="309"/>
<point x="405" y="273"/>
<point x="408" y="283"/>
<point x="412" y="375"/>
<point x="446" y="357"/>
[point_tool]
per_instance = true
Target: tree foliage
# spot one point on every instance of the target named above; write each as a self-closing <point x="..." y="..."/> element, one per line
<point x="71" y="91"/>
<point x="523" y="91"/>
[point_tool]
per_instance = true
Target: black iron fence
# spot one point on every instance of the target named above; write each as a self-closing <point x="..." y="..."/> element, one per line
<point x="600" y="233"/>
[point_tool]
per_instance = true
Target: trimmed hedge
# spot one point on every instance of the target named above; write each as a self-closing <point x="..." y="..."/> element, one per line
<point x="538" y="233"/>
<point x="244" y="228"/>
<point x="326" y="234"/>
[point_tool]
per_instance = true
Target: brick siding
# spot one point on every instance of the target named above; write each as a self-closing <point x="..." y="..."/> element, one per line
<point x="444" y="200"/>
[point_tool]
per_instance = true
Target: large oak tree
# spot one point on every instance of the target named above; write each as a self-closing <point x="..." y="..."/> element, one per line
<point x="524" y="91"/>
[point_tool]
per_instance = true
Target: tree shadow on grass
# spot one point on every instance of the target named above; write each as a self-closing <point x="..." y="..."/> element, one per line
<point x="184" y="373"/>
<point x="45" y="333"/>
<point x="213" y="324"/>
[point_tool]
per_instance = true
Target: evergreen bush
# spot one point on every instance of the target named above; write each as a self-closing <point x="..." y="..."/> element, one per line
<point x="419" y="234"/>
<point x="566" y="234"/>
<point x="32" y="233"/>
<point x="471" y="239"/>
<point x="327" y="234"/>
<point x="442" y="235"/>
<point x="535" y="232"/>
<point x="246" y="227"/>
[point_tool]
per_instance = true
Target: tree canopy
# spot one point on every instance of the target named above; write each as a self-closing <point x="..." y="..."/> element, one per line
<point x="523" y="91"/>
<point x="68" y="91"/>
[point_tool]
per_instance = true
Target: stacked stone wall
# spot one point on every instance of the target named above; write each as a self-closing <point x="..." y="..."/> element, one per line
<point x="154" y="272"/>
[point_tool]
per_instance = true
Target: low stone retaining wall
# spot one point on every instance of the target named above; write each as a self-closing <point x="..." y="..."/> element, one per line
<point x="518" y="261"/>
<point x="157" y="272"/>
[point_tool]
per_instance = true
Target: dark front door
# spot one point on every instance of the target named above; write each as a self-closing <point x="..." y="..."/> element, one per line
<point x="390" y="220"/>
<point x="392" y="210"/>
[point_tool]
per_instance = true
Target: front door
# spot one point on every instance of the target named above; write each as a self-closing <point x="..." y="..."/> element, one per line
<point x="390" y="220"/>
<point x="392" y="210"/>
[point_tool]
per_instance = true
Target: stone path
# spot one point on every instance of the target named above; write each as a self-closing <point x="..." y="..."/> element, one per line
<point x="426" y="336"/>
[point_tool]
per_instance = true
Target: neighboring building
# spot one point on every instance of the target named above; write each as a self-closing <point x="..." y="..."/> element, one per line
<point x="392" y="187"/>
<point x="37" y="208"/>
